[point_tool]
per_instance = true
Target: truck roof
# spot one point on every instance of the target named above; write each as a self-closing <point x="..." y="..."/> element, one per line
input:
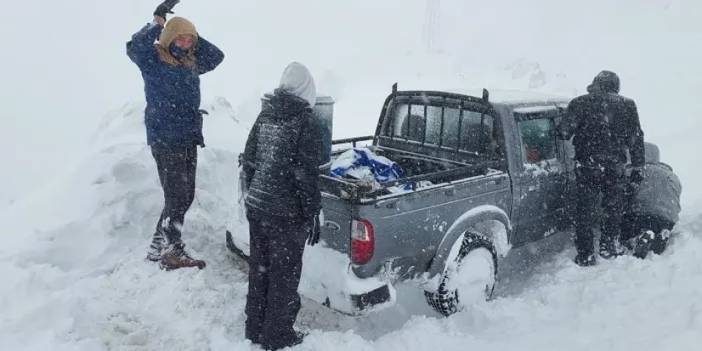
<point x="514" y="97"/>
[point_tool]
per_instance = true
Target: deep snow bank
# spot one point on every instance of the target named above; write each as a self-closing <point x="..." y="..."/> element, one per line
<point x="72" y="259"/>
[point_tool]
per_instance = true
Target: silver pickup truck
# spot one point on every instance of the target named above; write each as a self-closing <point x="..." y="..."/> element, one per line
<point x="481" y="175"/>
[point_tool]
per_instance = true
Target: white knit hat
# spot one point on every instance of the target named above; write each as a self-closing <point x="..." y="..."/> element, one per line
<point x="297" y="80"/>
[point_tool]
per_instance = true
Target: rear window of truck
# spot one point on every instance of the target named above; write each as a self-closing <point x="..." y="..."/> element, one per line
<point x="452" y="127"/>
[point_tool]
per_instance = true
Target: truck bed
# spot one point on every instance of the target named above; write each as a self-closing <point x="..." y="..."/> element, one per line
<point x="420" y="170"/>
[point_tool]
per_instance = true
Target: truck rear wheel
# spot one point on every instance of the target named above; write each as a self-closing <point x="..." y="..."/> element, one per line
<point x="469" y="277"/>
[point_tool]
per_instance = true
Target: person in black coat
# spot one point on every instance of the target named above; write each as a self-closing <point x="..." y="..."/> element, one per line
<point x="171" y="69"/>
<point x="281" y="165"/>
<point x="606" y="132"/>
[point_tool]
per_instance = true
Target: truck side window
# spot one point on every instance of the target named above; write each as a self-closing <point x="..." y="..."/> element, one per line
<point x="538" y="139"/>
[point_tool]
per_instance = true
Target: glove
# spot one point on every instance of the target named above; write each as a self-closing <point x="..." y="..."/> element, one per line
<point x="165" y="8"/>
<point x="636" y="176"/>
<point x="315" y="229"/>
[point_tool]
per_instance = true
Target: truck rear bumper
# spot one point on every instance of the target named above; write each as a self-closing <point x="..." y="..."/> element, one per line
<point x="328" y="278"/>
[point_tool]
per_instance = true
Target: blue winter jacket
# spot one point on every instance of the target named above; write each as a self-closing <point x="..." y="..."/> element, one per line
<point x="172" y="114"/>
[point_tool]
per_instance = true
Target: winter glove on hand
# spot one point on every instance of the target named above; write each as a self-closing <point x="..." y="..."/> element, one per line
<point x="636" y="176"/>
<point x="165" y="8"/>
<point x="316" y="229"/>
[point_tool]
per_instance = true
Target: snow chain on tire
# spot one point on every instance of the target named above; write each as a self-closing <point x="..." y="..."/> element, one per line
<point x="445" y="301"/>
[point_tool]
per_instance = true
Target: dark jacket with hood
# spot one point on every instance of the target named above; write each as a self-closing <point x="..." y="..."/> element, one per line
<point x="605" y="126"/>
<point x="281" y="159"/>
<point x="172" y="114"/>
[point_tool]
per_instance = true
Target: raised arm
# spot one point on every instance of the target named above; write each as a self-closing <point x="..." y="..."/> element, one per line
<point x="141" y="48"/>
<point x="208" y="56"/>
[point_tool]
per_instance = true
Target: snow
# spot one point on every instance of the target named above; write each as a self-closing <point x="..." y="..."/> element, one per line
<point x="80" y="195"/>
<point x="541" y="168"/>
<point x="326" y="274"/>
<point x="473" y="277"/>
<point x="534" y="109"/>
<point x="512" y="96"/>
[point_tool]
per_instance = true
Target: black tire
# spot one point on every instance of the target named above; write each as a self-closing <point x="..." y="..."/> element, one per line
<point x="447" y="301"/>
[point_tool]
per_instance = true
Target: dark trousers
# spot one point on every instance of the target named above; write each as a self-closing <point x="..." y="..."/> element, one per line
<point x="275" y="266"/>
<point x="591" y="184"/>
<point x="176" y="171"/>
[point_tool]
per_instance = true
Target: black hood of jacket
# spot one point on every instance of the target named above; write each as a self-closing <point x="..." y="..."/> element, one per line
<point x="605" y="82"/>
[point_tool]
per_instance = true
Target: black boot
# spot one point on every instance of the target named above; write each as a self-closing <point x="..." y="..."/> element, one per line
<point x="610" y="249"/>
<point x="585" y="259"/>
<point x="660" y="242"/>
<point x="643" y="243"/>
<point x="294" y="341"/>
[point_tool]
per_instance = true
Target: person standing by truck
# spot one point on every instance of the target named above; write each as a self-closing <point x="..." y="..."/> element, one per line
<point x="605" y="128"/>
<point x="171" y="69"/>
<point x="281" y="166"/>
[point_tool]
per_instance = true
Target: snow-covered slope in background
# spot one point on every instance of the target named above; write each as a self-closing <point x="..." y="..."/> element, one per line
<point x="68" y="64"/>
<point x="76" y="278"/>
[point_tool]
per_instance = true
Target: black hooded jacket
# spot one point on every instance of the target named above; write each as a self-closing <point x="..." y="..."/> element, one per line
<point x="281" y="159"/>
<point x="605" y="125"/>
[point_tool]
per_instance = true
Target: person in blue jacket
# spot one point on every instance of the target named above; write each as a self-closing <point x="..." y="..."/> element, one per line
<point x="171" y="68"/>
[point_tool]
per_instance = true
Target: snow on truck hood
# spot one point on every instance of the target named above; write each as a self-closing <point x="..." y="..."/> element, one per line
<point x="510" y="97"/>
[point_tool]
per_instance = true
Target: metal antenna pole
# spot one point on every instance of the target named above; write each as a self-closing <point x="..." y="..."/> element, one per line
<point x="432" y="23"/>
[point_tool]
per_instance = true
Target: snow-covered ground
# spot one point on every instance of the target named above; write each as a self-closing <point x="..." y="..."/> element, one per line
<point x="80" y="196"/>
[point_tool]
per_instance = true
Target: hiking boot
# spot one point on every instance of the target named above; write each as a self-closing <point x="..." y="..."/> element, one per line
<point x="660" y="242"/>
<point x="585" y="260"/>
<point x="175" y="257"/>
<point x="158" y="243"/>
<point x="610" y="249"/>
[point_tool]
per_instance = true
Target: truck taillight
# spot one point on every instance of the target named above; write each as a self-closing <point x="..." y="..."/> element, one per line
<point x="362" y="241"/>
